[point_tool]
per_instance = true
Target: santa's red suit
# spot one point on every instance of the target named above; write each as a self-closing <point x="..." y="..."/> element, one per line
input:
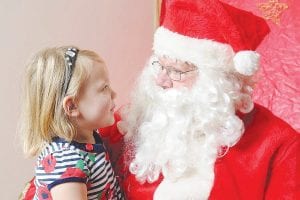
<point x="264" y="164"/>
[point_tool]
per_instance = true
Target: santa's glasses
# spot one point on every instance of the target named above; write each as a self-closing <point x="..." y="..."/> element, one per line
<point x="173" y="74"/>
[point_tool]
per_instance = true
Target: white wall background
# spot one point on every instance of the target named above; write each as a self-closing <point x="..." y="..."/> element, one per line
<point x="119" y="30"/>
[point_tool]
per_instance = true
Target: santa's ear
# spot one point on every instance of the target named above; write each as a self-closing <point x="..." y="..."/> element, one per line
<point x="70" y="106"/>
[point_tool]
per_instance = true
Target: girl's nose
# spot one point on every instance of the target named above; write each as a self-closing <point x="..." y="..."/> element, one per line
<point x="163" y="80"/>
<point x="113" y="94"/>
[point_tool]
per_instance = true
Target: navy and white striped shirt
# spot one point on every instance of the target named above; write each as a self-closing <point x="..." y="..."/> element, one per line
<point x="62" y="162"/>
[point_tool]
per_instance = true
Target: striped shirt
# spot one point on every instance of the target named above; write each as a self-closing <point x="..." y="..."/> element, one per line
<point x="63" y="162"/>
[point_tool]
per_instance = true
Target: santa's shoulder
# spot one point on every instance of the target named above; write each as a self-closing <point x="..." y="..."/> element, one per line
<point x="262" y="127"/>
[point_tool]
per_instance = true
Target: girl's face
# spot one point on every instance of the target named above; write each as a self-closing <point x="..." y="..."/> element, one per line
<point x="96" y="100"/>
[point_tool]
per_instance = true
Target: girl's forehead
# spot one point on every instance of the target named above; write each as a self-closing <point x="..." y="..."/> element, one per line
<point x="98" y="71"/>
<point x="99" y="66"/>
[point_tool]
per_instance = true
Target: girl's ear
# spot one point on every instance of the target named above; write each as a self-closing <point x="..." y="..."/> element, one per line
<point x="70" y="107"/>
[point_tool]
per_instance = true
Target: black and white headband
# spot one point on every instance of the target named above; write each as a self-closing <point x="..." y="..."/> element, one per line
<point x="70" y="59"/>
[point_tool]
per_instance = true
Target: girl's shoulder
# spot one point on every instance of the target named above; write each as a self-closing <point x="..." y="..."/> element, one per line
<point x="65" y="150"/>
<point x="60" y="162"/>
<point x="58" y="147"/>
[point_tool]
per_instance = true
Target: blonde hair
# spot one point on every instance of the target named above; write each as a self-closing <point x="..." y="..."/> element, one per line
<point x="43" y="116"/>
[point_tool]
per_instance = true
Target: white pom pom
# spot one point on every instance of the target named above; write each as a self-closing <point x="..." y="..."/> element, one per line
<point x="246" y="62"/>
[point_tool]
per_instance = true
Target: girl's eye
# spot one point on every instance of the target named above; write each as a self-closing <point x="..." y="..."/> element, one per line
<point x="105" y="87"/>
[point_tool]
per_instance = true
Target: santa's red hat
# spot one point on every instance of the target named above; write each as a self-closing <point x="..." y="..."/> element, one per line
<point x="210" y="33"/>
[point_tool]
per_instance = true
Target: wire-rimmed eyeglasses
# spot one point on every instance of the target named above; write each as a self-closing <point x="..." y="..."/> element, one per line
<point x="174" y="74"/>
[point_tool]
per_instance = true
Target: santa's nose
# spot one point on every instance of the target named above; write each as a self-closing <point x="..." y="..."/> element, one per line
<point x="163" y="80"/>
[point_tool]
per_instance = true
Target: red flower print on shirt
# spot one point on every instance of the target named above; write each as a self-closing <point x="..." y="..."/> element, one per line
<point x="43" y="193"/>
<point x="73" y="172"/>
<point x="89" y="147"/>
<point x="49" y="163"/>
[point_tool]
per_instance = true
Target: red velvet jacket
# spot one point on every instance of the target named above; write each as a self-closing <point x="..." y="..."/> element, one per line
<point x="264" y="164"/>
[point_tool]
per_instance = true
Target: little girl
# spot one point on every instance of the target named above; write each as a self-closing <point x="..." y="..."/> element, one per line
<point x="67" y="97"/>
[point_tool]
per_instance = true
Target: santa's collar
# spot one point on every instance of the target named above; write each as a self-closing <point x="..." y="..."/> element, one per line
<point x="247" y="118"/>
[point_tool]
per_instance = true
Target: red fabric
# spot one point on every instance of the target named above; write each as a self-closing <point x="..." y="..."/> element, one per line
<point x="264" y="164"/>
<point x="135" y="191"/>
<point x="112" y="132"/>
<point x="114" y="143"/>
<point x="29" y="191"/>
<point x="212" y="19"/>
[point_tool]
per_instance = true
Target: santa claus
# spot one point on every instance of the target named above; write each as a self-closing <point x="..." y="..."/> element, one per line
<point x="192" y="129"/>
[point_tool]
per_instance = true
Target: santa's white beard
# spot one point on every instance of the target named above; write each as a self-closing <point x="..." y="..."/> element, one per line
<point x="178" y="132"/>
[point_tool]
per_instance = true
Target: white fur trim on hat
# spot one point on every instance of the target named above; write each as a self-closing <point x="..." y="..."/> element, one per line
<point x="201" y="52"/>
<point x="246" y="62"/>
